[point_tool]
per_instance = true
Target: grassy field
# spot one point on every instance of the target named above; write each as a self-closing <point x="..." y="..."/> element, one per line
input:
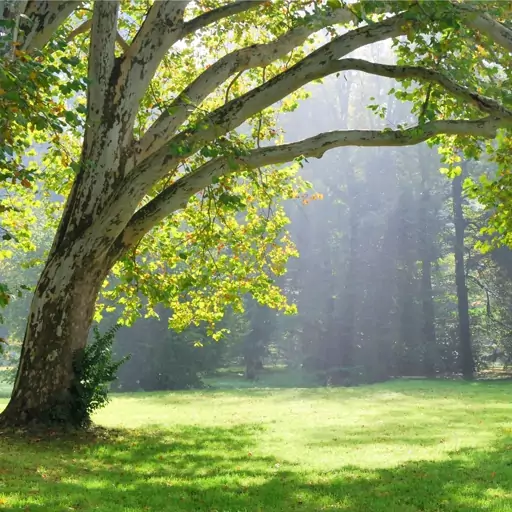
<point x="403" y="446"/>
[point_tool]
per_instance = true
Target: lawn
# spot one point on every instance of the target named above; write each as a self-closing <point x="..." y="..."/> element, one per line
<point x="402" y="446"/>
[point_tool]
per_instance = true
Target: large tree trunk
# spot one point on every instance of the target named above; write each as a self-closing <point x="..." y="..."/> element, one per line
<point x="465" y="350"/>
<point x="57" y="327"/>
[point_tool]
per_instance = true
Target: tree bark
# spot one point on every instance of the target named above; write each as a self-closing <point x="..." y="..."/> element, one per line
<point x="465" y="350"/>
<point x="428" y="329"/>
<point x="58" y="325"/>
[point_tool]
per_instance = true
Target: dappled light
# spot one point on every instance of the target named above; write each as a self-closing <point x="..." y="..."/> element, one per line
<point x="401" y="446"/>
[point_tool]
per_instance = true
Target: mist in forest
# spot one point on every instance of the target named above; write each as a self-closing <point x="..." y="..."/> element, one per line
<point x="389" y="283"/>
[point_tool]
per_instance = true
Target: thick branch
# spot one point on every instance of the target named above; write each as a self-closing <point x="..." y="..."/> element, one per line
<point x="318" y="64"/>
<point x="483" y="103"/>
<point x="484" y="23"/>
<point x="122" y="43"/>
<point x="86" y="25"/>
<point x="226" y="11"/>
<point x="43" y="18"/>
<point x="258" y="55"/>
<point x="177" y="195"/>
<point x="100" y="139"/>
<point x="163" y="19"/>
<point x="81" y="29"/>
<point x="101" y="59"/>
<point x="162" y="28"/>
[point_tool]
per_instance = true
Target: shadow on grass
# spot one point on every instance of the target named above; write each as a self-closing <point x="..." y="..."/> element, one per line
<point x="219" y="469"/>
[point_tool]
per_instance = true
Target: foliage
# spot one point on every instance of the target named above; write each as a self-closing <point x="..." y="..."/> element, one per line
<point x="198" y="242"/>
<point x="94" y="372"/>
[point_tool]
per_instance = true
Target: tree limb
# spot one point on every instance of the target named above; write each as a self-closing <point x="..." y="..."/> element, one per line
<point x="484" y="23"/>
<point x="258" y="55"/>
<point x="483" y="103"/>
<point x="162" y="23"/>
<point x="101" y="58"/>
<point x="226" y="11"/>
<point x="318" y="64"/>
<point x="81" y="29"/>
<point x="122" y="43"/>
<point x="86" y="25"/>
<point x="42" y="19"/>
<point x="177" y="195"/>
<point x="161" y="29"/>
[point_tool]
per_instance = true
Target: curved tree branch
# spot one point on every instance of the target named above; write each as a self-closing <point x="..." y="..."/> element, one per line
<point x="258" y="55"/>
<point x="484" y="23"/>
<point x="81" y="29"/>
<point x="163" y="26"/>
<point x="177" y="195"/>
<point x="318" y="64"/>
<point x="42" y="20"/>
<point x="86" y="26"/>
<point x="226" y="11"/>
<point x="483" y="103"/>
<point x="101" y="57"/>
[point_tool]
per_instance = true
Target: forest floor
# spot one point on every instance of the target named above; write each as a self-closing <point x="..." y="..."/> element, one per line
<point x="401" y="446"/>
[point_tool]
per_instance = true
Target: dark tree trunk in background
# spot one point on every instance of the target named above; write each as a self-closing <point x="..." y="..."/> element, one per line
<point x="465" y="350"/>
<point x="427" y="300"/>
<point x="250" y="368"/>
<point x="428" y="328"/>
<point x="409" y="330"/>
<point x="256" y="342"/>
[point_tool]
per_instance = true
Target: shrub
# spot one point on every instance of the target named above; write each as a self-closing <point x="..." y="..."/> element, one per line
<point x="94" y="370"/>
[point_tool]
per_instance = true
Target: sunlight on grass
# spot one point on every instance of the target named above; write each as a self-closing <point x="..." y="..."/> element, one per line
<point x="402" y="446"/>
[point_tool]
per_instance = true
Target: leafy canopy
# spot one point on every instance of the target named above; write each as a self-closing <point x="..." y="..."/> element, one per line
<point x="227" y="237"/>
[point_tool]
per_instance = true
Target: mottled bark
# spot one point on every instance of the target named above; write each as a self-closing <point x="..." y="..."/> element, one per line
<point x="58" y="326"/>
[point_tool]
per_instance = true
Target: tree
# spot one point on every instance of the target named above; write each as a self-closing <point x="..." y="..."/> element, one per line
<point x="143" y="159"/>
<point x="426" y="250"/>
<point x="466" y="352"/>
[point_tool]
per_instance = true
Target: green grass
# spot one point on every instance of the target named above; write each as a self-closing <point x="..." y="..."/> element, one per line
<point x="5" y="390"/>
<point x="403" y="446"/>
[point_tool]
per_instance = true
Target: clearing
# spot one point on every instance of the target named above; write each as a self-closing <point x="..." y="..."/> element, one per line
<point x="402" y="446"/>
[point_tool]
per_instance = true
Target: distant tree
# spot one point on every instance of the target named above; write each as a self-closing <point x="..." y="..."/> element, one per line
<point x="427" y="254"/>
<point x="466" y="351"/>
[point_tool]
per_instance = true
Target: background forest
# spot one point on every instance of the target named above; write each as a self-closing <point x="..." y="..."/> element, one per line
<point x="390" y="280"/>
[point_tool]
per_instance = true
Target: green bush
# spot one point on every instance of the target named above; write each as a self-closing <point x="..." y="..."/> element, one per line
<point x="94" y="370"/>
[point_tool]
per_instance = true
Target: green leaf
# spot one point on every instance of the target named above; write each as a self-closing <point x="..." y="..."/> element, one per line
<point x="334" y="4"/>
